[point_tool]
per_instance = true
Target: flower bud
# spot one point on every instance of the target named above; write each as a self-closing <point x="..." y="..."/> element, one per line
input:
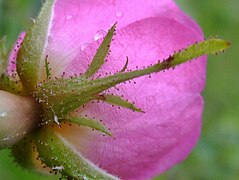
<point x="18" y="116"/>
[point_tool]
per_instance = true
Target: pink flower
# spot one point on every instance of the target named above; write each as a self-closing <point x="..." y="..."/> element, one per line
<point x="144" y="145"/>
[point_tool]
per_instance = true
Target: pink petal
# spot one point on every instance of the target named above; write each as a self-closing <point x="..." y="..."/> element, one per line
<point x="146" y="144"/>
<point x="78" y="23"/>
<point x="13" y="55"/>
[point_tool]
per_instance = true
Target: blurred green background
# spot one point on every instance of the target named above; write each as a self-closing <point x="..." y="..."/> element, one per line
<point x="216" y="156"/>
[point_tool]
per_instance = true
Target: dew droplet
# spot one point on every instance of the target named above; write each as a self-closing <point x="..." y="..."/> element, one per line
<point x="119" y="14"/>
<point x="85" y="178"/>
<point x="3" y="114"/>
<point x="69" y="17"/>
<point x="99" y="34"/>
<point x="83" y="46"/>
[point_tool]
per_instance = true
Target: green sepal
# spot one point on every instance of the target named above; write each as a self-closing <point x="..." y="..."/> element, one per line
<point x="88" y="122"/>
<point x="125" y="66"/>
<point x="3" y="56"/>
<point x="210" y="46"/>
<point x="62" y="157"/>
<point x="10" y="85"/>
<point x="101" y="54"/>
<point x="48" y="70"/>
<point x="54" y="99"/>
<point x="118" y="101"/>
<point x="31" y="56"/>
<point x="23" y="152"/>
<point x="66" y="95"/>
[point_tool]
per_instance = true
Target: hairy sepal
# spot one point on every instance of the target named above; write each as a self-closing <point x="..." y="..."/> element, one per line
<point x="63" y="158"/>
<point x="30" y="59"/>
<point x="91" y="123"/>
<point x="11" y="85"/>
<point x="118" y="101"/>
<point x="3" y="56"/>
<point x="61" y="96"/>
<point x="210" y="46"/>
<point x="101" y="54"/>
<point x="125" y="66"/>
<point x="24" y="152"/>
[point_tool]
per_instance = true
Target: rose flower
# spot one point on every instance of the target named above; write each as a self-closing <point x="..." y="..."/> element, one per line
<point x="85" y="102"/>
